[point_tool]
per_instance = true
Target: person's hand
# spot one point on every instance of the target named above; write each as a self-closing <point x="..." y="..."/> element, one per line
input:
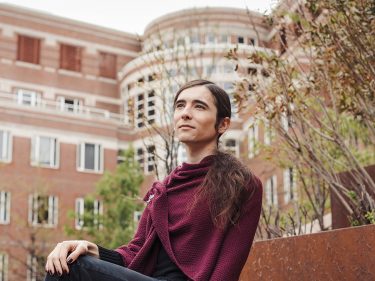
<point x="66" y="253"/>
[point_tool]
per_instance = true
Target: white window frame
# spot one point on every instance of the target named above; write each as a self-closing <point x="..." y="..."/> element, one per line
<point x="140" y="158"/>
<point x="253" y="139"/>
<point x="75" y="108"/>
<point x="233" y="149"/>
<point x="6" y="149"/>
<point x="98" y="157"/>
<point x="3" y="266"/>
<point x="146" y="108"/>
<point x="53" y="207"/>
<point x="32" y="268"/>
<point x="209" y="36"/>
<point x="5" y="199"/>
<point x="80" y="212"/>
<point x="227" y="41"/>
<point x="139" y="120"/>
<point x="290" y="188"/>
<point x="150" y="159"/>
<point x="53" y="154"/>
<point x="194" y="39"/>
<point x="269" y="133"/>
<point x="271" y="191"/>
<point x="28" y="97"/>
<point x="284" y="122"/>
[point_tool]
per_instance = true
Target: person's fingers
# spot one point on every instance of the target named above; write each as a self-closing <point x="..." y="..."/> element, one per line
<point x="81" y="249"/>
<point x="64" y="250"/>
<point x="49" y="268"/>
<point x="54" y="260"/>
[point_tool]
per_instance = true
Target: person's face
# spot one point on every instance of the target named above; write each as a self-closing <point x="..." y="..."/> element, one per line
<point x="195" y="117"/>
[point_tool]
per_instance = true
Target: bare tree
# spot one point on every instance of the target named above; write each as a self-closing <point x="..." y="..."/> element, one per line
<point x="318" y="95"/>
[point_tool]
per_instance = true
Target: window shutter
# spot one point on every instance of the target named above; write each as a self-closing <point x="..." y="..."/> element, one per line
<point x="107" y="65"/>
<point x="70" y="57"/>
<point x="28" y="49"/>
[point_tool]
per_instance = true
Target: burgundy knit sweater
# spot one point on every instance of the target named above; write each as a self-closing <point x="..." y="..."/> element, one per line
<point x="202" y="251"/>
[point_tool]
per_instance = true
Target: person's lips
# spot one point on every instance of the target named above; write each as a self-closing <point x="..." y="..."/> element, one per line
<point x="185" y="127"/>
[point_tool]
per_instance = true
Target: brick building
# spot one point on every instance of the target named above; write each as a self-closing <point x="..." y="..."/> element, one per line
<point x="72" y="95"/>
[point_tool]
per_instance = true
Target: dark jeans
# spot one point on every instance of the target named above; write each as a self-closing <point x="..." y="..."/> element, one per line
<point x="88" y="268"/>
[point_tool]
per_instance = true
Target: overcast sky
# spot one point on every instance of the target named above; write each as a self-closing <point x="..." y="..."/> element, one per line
<point x="134" y="17"/>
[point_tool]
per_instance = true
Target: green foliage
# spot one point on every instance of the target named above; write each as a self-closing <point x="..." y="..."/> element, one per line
<point x="118" y="193"/>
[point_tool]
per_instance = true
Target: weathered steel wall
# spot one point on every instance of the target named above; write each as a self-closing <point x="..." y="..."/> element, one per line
<point x="343" y="254"/>
<point x="339" y="213"/>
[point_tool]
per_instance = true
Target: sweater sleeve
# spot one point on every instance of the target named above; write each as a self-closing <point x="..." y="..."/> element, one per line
<point x="238" y="240"/>
<point x="110" y="256"/>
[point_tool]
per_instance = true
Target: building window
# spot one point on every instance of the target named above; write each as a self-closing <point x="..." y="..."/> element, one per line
<point x="129" y="111"/>
<point x="145" y="108"/>
<point x="139" y="157"/>
<point x="240" y="40"/>
<point x="269" y="133"/>
<point x="107" y="65"/>
<point x="231" y="145"/>
<point x="210" y="69"/>
<point x="3" y="267"/>
<point x="43" y="210"/>
<point x="35" y="268"/>
<point x="224" y="39"/>
<point x="194" y="39"/>
<point x="286" y="121"/>
<point x="253" y="138"/>
<point x="151" y="107"/>
<point x="28" y="49"/>
<point x="70" y="57"/>
<point x="228" y="68"/>
<point x="252" y="71"/>
<point x="251" y="41"/>
<point x="150" y="158"/>
<point x="271" y="191"/>
<point x="28" y="97"/>
<point x="90" y="157"/>
<point x="44" y="152"/>
<point x="120" y="156"/>
<point x="180" y="41"/>
<point x="4" y="207"/>
<point x="5" y="146"/>
<point x="69" y="104"/>
<point x="87" y="213"/>
<point x="210" y="38"/>
<point x="146" y="160"/>
<point x="290" y="192"/>
<point x="137" y="218"/>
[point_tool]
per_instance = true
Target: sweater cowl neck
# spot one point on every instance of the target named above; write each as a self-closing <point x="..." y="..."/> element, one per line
<point x="193" y="171"/>
<point x="205" y="162"/>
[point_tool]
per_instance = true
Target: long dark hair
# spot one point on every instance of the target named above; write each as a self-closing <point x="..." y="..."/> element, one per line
<point x="225" y="187"/>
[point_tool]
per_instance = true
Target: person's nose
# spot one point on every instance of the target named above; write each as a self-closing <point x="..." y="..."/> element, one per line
<point x="186" y="114"/>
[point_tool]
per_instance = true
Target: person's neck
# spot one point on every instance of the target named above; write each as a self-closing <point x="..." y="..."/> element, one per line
<point x="195" y="155"/>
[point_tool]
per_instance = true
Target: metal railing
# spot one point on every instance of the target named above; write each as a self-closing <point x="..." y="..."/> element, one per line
<point x="38" y="104"/>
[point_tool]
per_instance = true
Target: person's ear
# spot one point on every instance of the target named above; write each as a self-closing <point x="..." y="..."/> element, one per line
<point x="224" y="125"/>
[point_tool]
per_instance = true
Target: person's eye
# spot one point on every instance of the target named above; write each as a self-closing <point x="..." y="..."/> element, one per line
<point x="179" y="105"/>
<point x="200" y="106"/>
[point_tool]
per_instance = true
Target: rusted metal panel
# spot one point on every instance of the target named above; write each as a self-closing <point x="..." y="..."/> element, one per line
<point x="340" y="216"/>
<point x="342" y="254"/>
